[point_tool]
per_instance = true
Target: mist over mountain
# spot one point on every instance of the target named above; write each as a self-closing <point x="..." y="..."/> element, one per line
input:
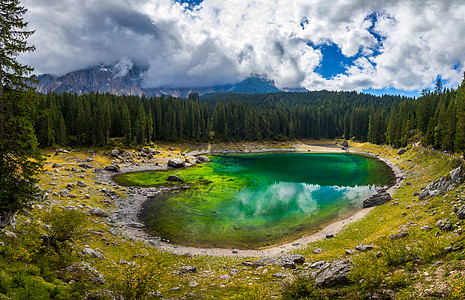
<point x="125" y="78"/>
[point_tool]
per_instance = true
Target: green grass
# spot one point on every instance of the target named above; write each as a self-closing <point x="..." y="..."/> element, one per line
<point x="28" y="268"/>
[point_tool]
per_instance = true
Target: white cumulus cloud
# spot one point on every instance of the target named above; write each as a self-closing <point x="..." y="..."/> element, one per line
<point x="398" y="44"/>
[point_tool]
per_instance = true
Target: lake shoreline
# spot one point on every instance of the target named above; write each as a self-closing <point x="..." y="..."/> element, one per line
<point x="129" y="208"/>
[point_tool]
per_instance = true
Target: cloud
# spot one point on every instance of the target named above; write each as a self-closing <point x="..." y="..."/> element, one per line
<point x="398" y="44"/>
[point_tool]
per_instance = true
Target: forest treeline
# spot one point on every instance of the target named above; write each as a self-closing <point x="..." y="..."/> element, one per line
<point x="437" y="118"/>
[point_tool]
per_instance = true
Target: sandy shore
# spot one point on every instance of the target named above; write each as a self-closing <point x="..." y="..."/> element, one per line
<point x="129" y="208"/>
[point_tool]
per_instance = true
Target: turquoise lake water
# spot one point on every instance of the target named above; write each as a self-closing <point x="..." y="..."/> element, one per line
<point x="248" y="201"/>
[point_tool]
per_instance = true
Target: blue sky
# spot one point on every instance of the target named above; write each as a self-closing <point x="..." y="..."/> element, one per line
<point x="392" y="47"/>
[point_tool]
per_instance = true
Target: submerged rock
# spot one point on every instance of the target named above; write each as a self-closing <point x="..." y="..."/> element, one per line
<point x="174" y="178"/>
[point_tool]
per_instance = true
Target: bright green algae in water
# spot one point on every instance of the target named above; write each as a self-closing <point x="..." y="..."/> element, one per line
<point x="255" y="200"/>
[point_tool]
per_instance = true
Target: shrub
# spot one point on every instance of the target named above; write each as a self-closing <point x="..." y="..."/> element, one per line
<point x="64" y="225"/>
<point x="134" y="281"/>
<point x="368" y="271"/>
<point x="304" y="288"/>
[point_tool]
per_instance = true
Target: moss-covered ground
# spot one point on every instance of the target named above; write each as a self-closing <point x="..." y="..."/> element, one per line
<point x="416" y="267"/>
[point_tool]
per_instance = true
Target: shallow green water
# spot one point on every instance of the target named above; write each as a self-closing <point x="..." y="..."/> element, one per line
<point x="254" y="200"/>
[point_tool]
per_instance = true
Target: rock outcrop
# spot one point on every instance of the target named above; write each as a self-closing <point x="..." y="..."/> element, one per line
<point x="444" y="184"/>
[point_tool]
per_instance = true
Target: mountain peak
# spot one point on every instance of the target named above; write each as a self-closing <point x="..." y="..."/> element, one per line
<point x="125" y="78"/>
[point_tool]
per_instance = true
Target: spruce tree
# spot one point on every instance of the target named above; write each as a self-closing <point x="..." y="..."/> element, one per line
<point x="20" y="160"/>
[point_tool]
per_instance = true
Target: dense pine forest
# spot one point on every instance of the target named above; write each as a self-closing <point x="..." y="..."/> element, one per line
<point x="437" y="118"/>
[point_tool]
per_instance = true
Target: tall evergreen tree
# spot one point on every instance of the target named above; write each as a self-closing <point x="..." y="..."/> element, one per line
<point x="20" y="160"/>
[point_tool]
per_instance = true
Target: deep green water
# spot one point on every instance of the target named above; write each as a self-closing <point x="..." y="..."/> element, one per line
<point x="254" y="200"/>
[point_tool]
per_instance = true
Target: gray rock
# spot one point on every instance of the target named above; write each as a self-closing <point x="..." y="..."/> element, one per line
<point x="70" y="186"/>
<point x="203" y="159"/>
<point x="445" y="225"/>
<point x="176" y="163"/>
<point x="193" y="283"/>
<point x="297" y="258"/>
<point x="401" y="151"/>
<point x="377" y="199"/>
<point x="224" y="277"/>
<point x="82" y="272"/>
<point x="92" y="253"/>
<point x="193" y="296"/>
<point x="64" y="193"/>
<point x="426" y="228"/>
<point x="279" y="275"/>
<point x="332" y="274"/>
<point x="423" y="195"/>
<point x="363" y="248"/>
<point x="461" y="213"/>
<point x="344" y="143"/>
<point x="81" y="183"/>
<point x="85" y="166"/>
<point x="285" y="260"/>
<point x="115" y="152"/>
<point x="398" y="236"/>
<point x="318" y="251"/>
<point x="55" y="165"/>
<point x="112" y="168"/>
<point x="188" y="269"/>
<point x="174" y="178"/>
<point x="318" y="264"/>
<point x="99" y="212"/>
<point x="350" y="251"/>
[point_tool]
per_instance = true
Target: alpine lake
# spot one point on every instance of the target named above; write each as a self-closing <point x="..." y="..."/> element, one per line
<point x="250" y="201"/>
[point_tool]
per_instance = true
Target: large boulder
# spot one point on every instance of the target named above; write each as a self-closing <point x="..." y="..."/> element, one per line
<point x="445" y="225"/>
<point x="92" y="253"/>
<point x="377" y="199"/>
<point x="176" y="163"/>
<point x="98" y="212"/>
<point x="115" y="152"/>
<point x="112" y="168"/>
<point x="203" y="159"/>
<point x="401" y="151"/>
<point x="345" y="143"/>
<point x="330" y="274"/>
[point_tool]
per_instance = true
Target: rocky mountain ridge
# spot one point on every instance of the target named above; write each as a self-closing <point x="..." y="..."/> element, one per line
<point x="127" y="79"/>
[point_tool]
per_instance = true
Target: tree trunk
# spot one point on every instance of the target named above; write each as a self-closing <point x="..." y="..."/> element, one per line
<point x="1" y="96"/>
